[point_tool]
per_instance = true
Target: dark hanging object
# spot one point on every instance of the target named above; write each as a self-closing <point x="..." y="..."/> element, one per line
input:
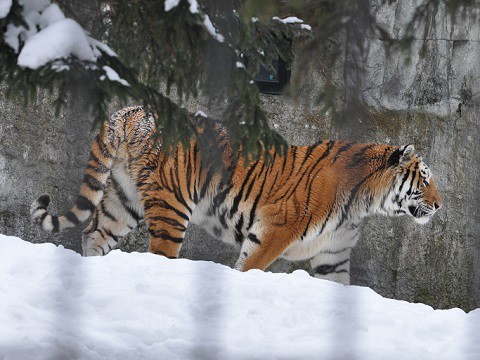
<point x="269" y="82"/>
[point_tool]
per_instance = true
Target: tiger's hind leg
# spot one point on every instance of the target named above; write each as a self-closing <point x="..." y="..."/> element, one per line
<point x="104" y="231"/>
<point x="167" y="220"/>
<point x="116" y="215"/>
<point x="168" y="186"/>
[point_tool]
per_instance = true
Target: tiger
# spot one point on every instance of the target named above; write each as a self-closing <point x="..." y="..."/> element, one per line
<point x="304" y="204"/>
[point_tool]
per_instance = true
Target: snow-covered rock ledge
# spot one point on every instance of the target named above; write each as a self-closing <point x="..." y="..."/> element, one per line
<point x="56" y="304"/>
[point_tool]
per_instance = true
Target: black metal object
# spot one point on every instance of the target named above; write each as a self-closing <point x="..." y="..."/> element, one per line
<point x="269" y="82"/>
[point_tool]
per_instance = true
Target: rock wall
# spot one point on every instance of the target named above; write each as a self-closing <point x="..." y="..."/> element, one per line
<point x="428" y="96"/>
<point x="40" y="153"/>
<point x="430" y="101"/>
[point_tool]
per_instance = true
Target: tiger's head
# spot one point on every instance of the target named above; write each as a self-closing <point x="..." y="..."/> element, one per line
<point x="414" y="191"/>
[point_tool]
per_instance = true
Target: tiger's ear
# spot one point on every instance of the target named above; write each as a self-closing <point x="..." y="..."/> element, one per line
<point x="402" y="154"/>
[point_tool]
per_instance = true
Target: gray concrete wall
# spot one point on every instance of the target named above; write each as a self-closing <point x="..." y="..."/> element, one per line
<point x="432" y="101"/>
<point x="40" y="153"/>
<point x="409" y="102"/>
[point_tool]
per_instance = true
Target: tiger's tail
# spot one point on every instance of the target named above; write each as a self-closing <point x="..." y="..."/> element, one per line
<point x="102" y="156"/>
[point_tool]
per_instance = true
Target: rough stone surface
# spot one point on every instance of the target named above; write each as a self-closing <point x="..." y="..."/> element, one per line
<point x="416" y="101"/>
<point x="438" y="263"/>
<point x="40" y="153"/>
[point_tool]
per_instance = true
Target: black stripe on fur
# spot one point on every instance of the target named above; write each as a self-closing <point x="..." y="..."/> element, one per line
<point x="326" y="269"/>
<point x="55" y="223"/>
<point x="72" y="217"/>
<point x="84" y="203"/>
<point x="253" y="238"/>
<point x="43" y="202"/>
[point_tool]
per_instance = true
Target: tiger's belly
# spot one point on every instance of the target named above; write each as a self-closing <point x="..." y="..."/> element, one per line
<point x="222" y="226"/>
<point x="219" y="224"/>
<point x="334" y="241"/>
<point x="304" y="250"/>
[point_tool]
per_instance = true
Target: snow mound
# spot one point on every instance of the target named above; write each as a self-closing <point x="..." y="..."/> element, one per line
<point x="55" y="304"/>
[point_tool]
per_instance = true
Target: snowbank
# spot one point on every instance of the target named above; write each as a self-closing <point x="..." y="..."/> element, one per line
<point x="56" y="304"/>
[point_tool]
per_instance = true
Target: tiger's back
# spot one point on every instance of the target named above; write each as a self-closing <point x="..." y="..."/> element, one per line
<point x="307" y="204"/>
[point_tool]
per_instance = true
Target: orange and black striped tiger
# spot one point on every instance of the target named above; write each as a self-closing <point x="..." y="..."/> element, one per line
<point x="307" y="204"/>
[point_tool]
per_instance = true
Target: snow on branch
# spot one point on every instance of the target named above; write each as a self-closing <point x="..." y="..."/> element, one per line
<point x="48" y="37"/>
<point x="5" y="6"/>
<point x="59" y="40"/>
<point x="293" y="20"/>
<point x="112" y="75"/>
<point x="194" y="9"/>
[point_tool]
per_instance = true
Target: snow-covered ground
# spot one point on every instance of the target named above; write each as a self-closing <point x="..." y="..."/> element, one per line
<point x="55" y="304"/>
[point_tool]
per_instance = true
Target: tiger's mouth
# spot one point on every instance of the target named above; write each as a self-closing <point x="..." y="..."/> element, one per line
<point x="420" y="214"/>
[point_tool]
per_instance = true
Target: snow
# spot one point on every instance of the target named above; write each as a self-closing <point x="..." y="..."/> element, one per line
<point x="50" y="37"/>
<point x="5" y="6"/>
<point x="289" y="20"/>
<point x="54" y="42"/>
<point x="50" y="15"/>
<point x="170" y="4"/>
<point x="55" y="304"/>
<point x="194" y="9"/>
<point x="201" y="113"/>
<point x="98" y="45"/>
<point x="193" y="6"/>
<point x="32" y="14"/>
<point x="112" y="75"/>
<point x="293" y="20"/>
<point x="211" y="29"/>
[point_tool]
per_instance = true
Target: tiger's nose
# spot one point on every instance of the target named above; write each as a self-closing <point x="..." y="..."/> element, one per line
<point x="437" y="205"/>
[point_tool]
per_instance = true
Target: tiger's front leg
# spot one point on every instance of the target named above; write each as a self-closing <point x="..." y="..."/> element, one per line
<point x="331" y="268"/>
<point x="263" y="246"/>
<point x="333" y="260"/>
